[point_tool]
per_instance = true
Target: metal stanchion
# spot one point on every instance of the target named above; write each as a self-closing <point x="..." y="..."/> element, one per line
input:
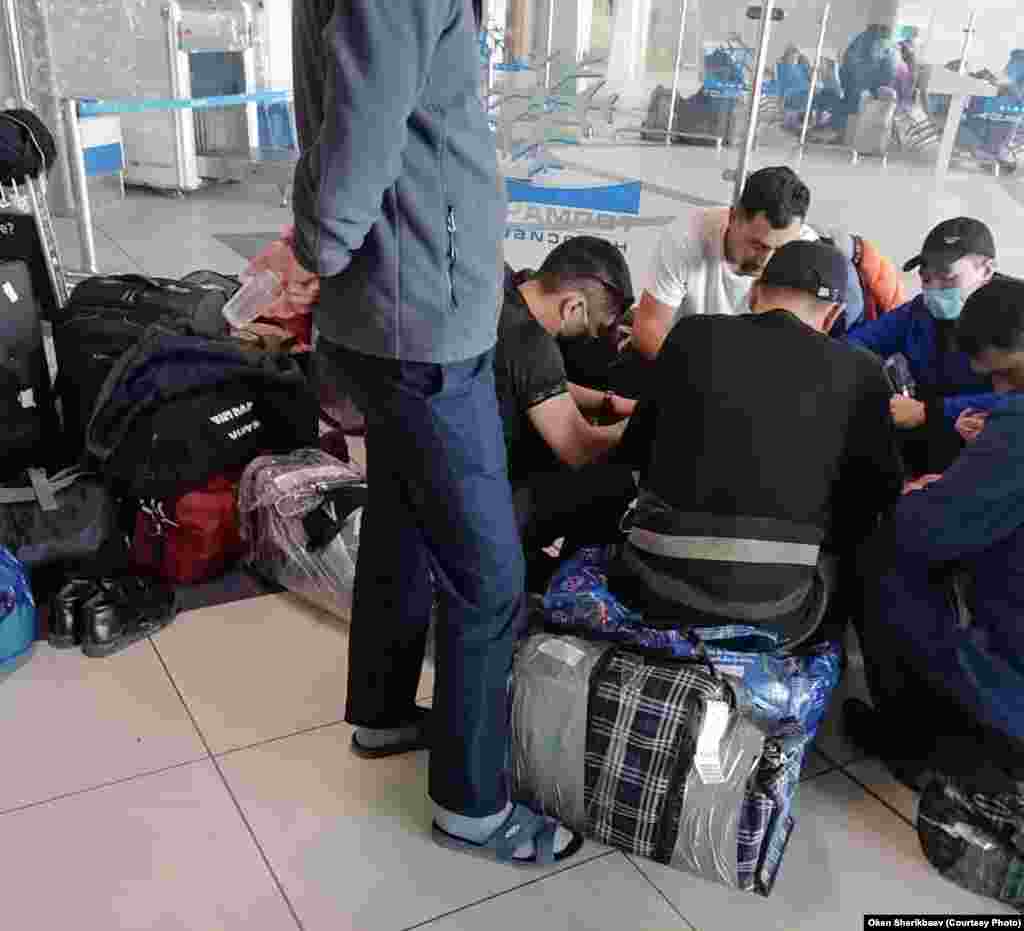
<point x="550" y="43"/>
<point x="675" y="76"/>
<point x="14" y="45"/>
<point x="825" y="14"/>
<point x="172" y="16"/>
<point x="956" y="109"/>
<point x="83" y="212"/>
<point x="755" y="103"/>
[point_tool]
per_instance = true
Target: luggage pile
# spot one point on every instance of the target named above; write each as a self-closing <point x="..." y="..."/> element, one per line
<point x="122" y="475"/>
<point x="683" y="746"/>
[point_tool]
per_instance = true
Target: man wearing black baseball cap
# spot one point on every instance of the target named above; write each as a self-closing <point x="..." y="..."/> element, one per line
<point x="765" y="449"/>
<point x="958" y="258"/>
<point x="579" y="293"/>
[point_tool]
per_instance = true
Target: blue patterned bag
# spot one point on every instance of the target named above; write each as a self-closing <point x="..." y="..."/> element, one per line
<point x="17" y="613"/>
<point x="790" y="693"/>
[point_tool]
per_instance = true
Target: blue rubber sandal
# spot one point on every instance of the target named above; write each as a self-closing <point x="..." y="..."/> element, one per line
<point x="522" y="825"/>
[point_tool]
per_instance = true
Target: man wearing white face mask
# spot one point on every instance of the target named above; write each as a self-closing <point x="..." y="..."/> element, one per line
<point x="958" y="258"/>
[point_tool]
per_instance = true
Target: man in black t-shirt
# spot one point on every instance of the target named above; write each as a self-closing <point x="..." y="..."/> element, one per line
<point x="561" y="486"/>
<point x="765" y="449"/>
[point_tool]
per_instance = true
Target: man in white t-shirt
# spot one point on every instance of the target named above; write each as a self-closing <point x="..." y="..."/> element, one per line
<point x="707" y="261"/>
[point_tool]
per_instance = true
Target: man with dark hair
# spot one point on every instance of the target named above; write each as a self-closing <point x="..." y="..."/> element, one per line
<point x="766" y="450"/>
<point x="942" y="630"/>
<point x="398" y="211"/>
<point x="559" y="486"/>
<point x="957" y="258"/>
<point x="706" y="262"/>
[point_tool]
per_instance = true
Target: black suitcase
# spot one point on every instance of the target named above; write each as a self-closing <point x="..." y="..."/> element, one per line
<point x="104" y="317"/>
<point x="27" y="406"/>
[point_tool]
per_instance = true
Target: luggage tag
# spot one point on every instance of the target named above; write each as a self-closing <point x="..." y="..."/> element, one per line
<point x="708" y="757"/>
<point x="563" y="651"/>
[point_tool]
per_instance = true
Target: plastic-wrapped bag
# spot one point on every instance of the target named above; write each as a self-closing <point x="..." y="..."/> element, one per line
<point x="708" y="795"/>
<point x="17" y="613"/>
<point x="300" y="521"/>
<point x="790" y="694"/>
<point x="288" y="313"/>
<point x="975" y="840"/>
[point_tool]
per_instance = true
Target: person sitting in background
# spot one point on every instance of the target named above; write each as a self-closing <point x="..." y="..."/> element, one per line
<point x="765" y="449"/>
<point x="957" y="258"/>
<point x="560" y="487"/>
<point x="942" y="634"/>
<point x="869" y="63"/>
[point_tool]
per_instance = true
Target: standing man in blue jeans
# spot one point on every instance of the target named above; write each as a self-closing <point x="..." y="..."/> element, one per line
<point x="398" y="212"/>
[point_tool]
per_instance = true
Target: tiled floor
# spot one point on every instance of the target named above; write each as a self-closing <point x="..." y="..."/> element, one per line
<point x="203" y="781"/>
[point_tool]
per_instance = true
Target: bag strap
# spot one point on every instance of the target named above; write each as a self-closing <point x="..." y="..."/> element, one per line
<point x="42" y="490"/>
<point x="858" y="251"/>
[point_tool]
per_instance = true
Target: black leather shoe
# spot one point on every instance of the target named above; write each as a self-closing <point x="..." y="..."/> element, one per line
<point x="124" y="611"/>
<point x="66" y="612"/>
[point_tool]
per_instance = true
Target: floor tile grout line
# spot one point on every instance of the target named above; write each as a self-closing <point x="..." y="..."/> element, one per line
<point x="117" y="245"/>
<point x="825" y="772"/>
<point x="655" y="887"/>
<point x="231" y="794"/>
<point x="102" y="785"/>
<point x="220" y="754"/>
<point x="497" y="895"/>
<point x="879" y="798"/>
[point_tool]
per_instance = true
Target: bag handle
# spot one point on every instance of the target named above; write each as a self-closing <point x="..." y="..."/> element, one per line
<point x="135" y="276"/>
<point x="42" y="490"/>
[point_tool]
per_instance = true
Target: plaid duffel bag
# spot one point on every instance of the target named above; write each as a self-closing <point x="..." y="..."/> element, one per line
<point x="657" y="757"/>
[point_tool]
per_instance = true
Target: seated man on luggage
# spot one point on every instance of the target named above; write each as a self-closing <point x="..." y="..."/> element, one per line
<point x="765" y="448"/>
<point x="560" y="486"/>
<point x="957" y="258"/>
<point x="942" y="630"/>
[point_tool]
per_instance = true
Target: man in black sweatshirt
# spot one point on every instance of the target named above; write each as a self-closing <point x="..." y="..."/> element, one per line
<point x="766" y="450"/>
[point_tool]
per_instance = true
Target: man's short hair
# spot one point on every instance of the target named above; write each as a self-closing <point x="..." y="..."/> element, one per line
<point x="993" y="318"/>
<point x="779" y="194"/>
<point x="593" y="265"/>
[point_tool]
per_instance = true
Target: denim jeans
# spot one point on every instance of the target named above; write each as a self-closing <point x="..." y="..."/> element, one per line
<point x="439" y="505"/>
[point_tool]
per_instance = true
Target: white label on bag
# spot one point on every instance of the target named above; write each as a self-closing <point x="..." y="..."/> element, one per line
<point x="27" y="398"/>
<point x="560" y="650"/>
<point x="737" y="672"/>
<point x="12" y="295"/>
<point x="707" y="758"/>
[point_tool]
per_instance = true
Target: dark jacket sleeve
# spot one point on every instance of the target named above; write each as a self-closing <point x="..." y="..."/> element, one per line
<point x="871" y="477"/>
<point x="978" y="501"/>
<point x="953" y="407"/>
<point x="376" y="59"/>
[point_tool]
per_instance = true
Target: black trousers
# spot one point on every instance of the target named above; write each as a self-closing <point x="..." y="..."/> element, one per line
<point x="583" y="506"/>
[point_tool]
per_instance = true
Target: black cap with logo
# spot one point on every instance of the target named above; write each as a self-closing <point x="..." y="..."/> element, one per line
<point x="814" y="267"/>
<point x="950" y="241"/>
